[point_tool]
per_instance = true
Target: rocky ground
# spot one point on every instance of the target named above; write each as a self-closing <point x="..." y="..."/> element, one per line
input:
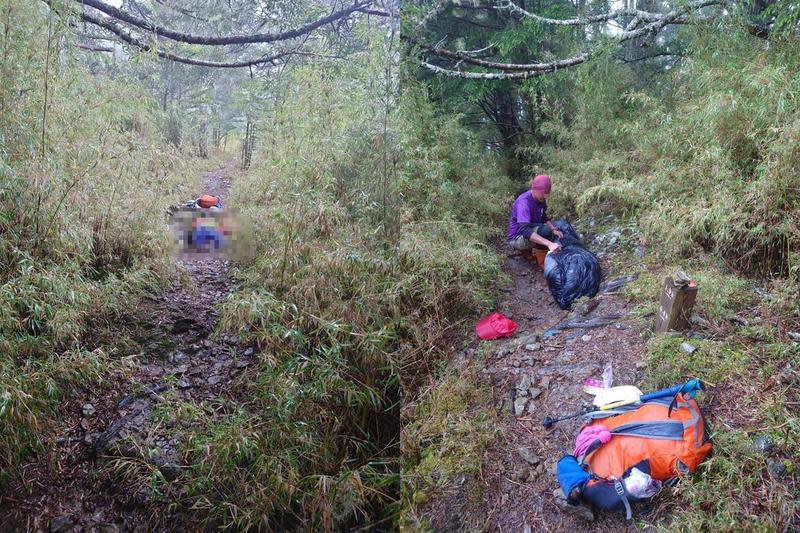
<point x="84" y="483"/>
<point x="536" y="373"/>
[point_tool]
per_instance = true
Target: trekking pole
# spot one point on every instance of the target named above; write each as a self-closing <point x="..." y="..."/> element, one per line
<point x="690" y="387"/>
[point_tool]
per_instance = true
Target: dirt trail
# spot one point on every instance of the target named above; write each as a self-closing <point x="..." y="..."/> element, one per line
<point x="535" y="376"/>
<point x="131" y="424"/>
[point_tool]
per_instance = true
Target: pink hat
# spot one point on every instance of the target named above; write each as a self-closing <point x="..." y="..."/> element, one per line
<point x="542" y="183"/>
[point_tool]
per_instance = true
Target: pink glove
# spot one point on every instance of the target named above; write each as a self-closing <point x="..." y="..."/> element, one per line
<point x="588" y="436"/>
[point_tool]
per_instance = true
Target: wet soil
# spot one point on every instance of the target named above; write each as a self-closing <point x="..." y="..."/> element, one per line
<point x="518" y="494"/>
<point x="73" y="487"/>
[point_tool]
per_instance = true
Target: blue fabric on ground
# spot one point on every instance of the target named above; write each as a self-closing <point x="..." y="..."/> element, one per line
<point x="203" y="237"/>
<point x="571" y="475"/>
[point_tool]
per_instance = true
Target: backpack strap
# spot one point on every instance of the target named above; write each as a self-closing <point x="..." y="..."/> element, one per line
<point x="620" y="488"/>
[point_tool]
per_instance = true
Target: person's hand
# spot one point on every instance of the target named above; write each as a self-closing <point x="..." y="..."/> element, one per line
<point x="558" y="233"/>
<point x="554" y="247"/>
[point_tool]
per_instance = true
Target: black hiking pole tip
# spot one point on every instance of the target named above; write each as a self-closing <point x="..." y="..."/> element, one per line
<point x="549" y="422"/>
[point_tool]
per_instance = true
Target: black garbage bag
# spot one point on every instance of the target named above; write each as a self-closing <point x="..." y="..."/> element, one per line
<point x="572" y="272"/>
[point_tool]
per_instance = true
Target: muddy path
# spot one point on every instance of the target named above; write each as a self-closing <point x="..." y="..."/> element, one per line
<point x="116" y="436"/>
<point x="533" y="375"/>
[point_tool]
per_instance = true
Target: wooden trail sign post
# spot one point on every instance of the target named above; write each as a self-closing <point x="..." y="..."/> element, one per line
<point x="677" y="300"/>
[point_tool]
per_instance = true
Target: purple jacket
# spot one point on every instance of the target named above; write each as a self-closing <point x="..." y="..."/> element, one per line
<point x="526" y="210"/>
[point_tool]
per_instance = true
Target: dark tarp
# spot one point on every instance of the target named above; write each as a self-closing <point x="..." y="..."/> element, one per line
<point x="572" y="272"/>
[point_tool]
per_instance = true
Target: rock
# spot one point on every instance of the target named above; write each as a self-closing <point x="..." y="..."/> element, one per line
<point x="170" y="471"/>
<point x="639" y="251"/>
<point x="84" y="424"/>
<point x="741" y="321"/>
<point x="526" y="529"/>
<point x="520" y="473"/>
<point x="529" y="457"/>
<point x="794" y="335"/>
<point x="519" y="406"/>
<point x="776" y="469"/>
<point x="687" y="348"/>
<point x="242" y="363"/>
<point x="763" y="444"/>
<point x="522" y="393"/>
<point x="578" y="510"/>
<point x="183" y="384"/>
<point x="62" y="523"/>
<point x="180" y="369"/>
<point x="534" y="393"/>
<point x="697" y="320"/>
<point x="525" y="384"/>
<point x="641" y="364"/>
<point x="545" y="383"/>
<point x="88" y="410"/>
<point x="504" y="351"/>
<point x="586" y="338"/>
<point x="613" y="237"/>
<point x="153" y="370"/>
<point x="213" y="380"/>
<point x="248" y="352"/>
<point x="177" y="357"/>
<point x="532" y="407"/>
<point x="534" y="346"/>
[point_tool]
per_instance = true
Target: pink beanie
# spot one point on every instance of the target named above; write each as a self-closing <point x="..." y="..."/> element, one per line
<point x="542" y="183"/>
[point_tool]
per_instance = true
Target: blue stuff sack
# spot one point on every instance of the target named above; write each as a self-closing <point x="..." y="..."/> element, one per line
<point x="571" y="476"/>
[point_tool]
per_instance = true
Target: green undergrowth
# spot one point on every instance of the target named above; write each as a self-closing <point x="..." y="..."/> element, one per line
<point x="712" y="165"/>
<point x="85" y="178"/>
<point x="708" y="171"/>
<point x="750" y="368"/>
<point x="703" y="178"/>
<point x="452" y="425"/>
<point x="364" y="245"/>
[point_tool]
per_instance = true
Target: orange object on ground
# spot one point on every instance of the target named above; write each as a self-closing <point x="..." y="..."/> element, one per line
<point x="207" y="201"/>
<point x="540" y="255"/>
<point x="673" y="442"/>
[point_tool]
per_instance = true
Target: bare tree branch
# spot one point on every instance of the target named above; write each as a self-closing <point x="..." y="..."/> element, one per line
<point x="466" y="58"/>
<point x="528" y="70"/>
<point x="94" y="48"/>
<point x="128" y="37"/>
<point x="639" y="15"/>
<point x="161" y="31"/>
<point x="651" y="56"/>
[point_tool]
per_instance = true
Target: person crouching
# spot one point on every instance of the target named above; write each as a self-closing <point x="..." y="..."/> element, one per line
<point x="529" y="226"/>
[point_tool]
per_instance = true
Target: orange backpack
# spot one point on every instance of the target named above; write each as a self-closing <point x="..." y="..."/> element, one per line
<point x="207" y="201"/>
<point x="665" y="438"/>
